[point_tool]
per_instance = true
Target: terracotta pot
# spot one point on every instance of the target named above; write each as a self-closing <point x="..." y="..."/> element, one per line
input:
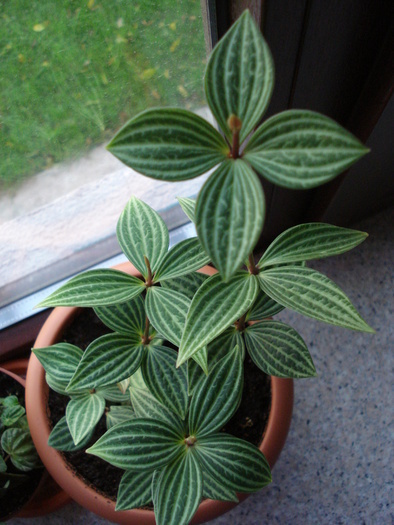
<point x="49" y="496"/>
<point x="36" y="403"/>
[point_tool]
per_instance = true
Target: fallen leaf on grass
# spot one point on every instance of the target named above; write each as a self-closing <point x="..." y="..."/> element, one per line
<point x="175" y="44"/>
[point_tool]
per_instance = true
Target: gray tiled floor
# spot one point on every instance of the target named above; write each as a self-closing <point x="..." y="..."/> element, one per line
<point x="336" y="467"/>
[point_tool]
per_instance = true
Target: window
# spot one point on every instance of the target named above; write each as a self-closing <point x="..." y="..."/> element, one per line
<point x="71" y="74"/>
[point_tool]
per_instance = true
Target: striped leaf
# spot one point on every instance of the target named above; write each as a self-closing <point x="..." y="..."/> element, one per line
<point x="217" y="349"/>
<point x="17" y="443"/>
<point x="155" y="482"/>
<point x="278" y="350"/>
<point x="169" y="144"/>
<point x="61" y="439"/>
<point x="184" y="258"/>
<point x="96" y="288"/>
<point x="239" y="78"/>
<point x="83" y="412"/>
<point x="263" y="307"/>
<point x="216" y="491"/>
<point x="214" y="308"/>
<point x="166" y="382"/>
<point x="217" y="396"/>
<point x="138" y="445"/>
<point x="68" y="355"/>
<point x="113" y="394"/>
<point x="61" y="386"/>
<point x="118" y="414"/>
<point x="134" y="490"/>
<point x="107" y="360"/>
<point x="301" y="149"/>
<point x="167" y="310"/>
<point x="141" y="233"/>
<point x="223" y="344"/>
<point x="179" y="491"/>
<point x="146" y="405"/>
<point x="137" y="380"/>
<point x="188" y="206"/>
<point x="9" y="415"/>
<point x="125" y="318"/>
<point x="229" y="215"/>
<point x="186" y="284"/>
<point x="235" y="463"/>
<point x="305" y="242"/>
<point x="312" y="294"/>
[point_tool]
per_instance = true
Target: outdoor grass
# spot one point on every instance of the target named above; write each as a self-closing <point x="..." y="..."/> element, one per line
<point x="72" y="72"/>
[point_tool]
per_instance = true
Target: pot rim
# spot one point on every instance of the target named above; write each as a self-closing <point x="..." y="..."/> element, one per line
<point x="37" y="392"/>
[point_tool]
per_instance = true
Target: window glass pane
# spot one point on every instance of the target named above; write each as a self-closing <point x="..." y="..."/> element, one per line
<point x="71" y="73"/>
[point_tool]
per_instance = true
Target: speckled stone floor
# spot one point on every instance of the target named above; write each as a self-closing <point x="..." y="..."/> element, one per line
<point x="337" y="464"/>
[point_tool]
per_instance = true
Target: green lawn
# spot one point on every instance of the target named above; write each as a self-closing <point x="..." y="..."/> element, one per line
<point x="73" y="71"/>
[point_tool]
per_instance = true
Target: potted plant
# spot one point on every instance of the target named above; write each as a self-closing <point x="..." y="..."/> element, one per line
<point x="180" y="337"/>
<point x="20" y="466"/>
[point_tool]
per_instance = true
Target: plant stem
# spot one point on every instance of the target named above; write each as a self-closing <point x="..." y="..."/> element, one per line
<point x="253" y="269"/>
<point x="240" y="324"/>
<point x="148" y="281"/>
<point x="145" y="337"/>
<point x="235" y="148"/>
<point x="235" y="124"/>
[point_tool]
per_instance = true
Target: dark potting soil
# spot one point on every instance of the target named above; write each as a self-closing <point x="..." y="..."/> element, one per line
<point x="16" y="498"/>
<point x="248" y="422"/>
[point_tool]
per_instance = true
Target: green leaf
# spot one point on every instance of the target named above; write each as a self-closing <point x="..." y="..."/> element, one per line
<point x="10" y="415"/>
<point x="107" y="360"/>
<point x="305" y="242"/>
<point x="146" y="405"/>
<point x="186" y="284"/>
<point x="118" y="414"/>
<point x="83" y="412"/>
<point x="278" y="350"/>
<point x="263" y="307"/>
<point x="216" y="350"/>
<point x="166" y="310"/>
<point x="113" y="394"/>
<point x="201" y="358"/>
<point x="138" y="444"/>
<point x="164" y="380"/>
<point x="214" y="308"/>
<point x="134" y="490"/>
<point x="215" y="490"/>
<point x="217" y="396"/>
<point x="3" y="467"/>
<point x="17" y="443"/>
<point x="179" y="491"/>
<point x="302" y="149"/>
<point x="155" y="481"/>
<point x="312" y="294"/>
<point x="141" y="233"/>
<point x="96" y="288"/>
<point x="61" y="439"/>
<point x="235" y="463"/>
<point x="126" y="318"/>
<point x="239" y="78"/>
<point x="9" y="401"/>
<point x="169" y="144"/>
<point x="188" y="206"/>
<point x="184" y="258"/>
<point x="229" y="215"/>
<point x="68" y="355"/>
<point x="60" y="386"/>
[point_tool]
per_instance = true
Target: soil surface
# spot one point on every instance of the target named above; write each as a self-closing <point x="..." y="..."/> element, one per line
<point x="248" y="422"/>
<point x="16" y="498"/>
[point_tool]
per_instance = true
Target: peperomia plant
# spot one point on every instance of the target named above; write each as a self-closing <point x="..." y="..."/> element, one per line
<point x="179" y="337"/>
<point x="16" y="446"/>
